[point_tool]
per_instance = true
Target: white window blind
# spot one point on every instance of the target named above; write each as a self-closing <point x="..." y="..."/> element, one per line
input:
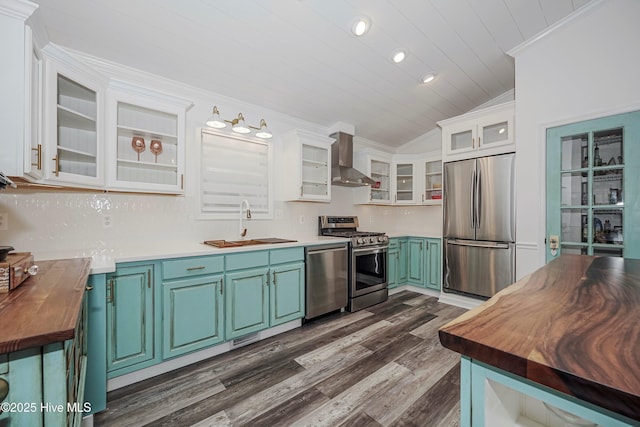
<point x="233" y="169"/>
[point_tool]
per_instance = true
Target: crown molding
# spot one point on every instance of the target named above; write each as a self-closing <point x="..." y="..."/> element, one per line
<point x="586" y="9"/>
<point x="20" y="9"/>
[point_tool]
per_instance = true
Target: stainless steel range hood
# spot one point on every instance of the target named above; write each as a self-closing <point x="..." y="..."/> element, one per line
<point x="342" y="171"/>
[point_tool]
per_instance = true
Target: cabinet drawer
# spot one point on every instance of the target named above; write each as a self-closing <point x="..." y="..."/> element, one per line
<point x="280" y="256"/>
<point x="188" y="267"/>
<point x="247" y="260"/>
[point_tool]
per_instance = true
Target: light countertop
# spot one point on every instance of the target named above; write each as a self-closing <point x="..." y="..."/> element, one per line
<point x="105" y="260"/>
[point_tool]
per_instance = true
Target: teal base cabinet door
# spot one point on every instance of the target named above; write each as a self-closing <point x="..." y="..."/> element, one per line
<point x="433" y="264"/>
<point x="96" y="383"/>
<point x="286" y="293"/>
<point x="397" y="262"/>
<point x="131" y="319"/>
<point x="193" y="314"/>
<point x="246" y="302"/>
<point x="392" y="264"/>
<point x="416" y="258"/>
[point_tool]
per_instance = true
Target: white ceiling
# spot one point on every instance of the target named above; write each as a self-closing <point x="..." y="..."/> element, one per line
<point x="299" y="57"/>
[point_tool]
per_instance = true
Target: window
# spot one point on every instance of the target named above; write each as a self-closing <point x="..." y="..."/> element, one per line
<point x="233" y="169"/>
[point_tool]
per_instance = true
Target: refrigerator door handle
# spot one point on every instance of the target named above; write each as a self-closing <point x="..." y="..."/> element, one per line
<point x="473" y="199"/>
<point x="478" y="192"/>
<point x="477" y="244"/>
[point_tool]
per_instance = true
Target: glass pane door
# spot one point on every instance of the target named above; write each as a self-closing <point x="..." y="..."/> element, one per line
<point x="586" y="192"/>
<point x="404" y="182"/>
<point x="381" y="174"/>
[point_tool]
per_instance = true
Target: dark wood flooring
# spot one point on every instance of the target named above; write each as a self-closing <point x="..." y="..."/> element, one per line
<point x="383" y="366"/>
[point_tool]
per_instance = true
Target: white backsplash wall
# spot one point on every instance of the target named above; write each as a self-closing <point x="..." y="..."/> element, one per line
<point x="44" y="222"/>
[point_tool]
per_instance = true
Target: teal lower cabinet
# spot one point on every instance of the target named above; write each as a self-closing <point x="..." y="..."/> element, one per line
<point x="397" y="262"/>
<point x="246" y="301"/>
<point x="268" y="291"/>
<point x="192" y="304"/>
<point x="193" y="315"/>
<point x="416" y="257"/>
<point x="492" y="397"/>
<point x="96" y="383"/>
<point x="414" y="261"/>
<point x="392" y="263"/>
<point x="46" y="384"/>
<point x="286" y="294"/>
<point x="433" y="267"/>
<point x="132" y="336"/>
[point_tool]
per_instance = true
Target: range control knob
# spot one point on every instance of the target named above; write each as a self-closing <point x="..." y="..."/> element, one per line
<point x="372" y="239"/>
<point x="381" y="239"/>
<point x="359" y="241"/>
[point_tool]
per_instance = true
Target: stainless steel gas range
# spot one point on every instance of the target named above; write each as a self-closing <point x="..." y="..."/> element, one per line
<point x="367" y="264"/>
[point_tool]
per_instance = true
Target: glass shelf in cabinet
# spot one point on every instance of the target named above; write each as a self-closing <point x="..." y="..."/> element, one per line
<point x="76" y="152"/>
<point x="147" y="165"/>
<point x="147" y="133"/>
<point x="72" y="119"/>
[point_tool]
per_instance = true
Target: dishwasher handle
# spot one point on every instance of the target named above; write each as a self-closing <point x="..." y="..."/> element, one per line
<point x="323" y="249"/>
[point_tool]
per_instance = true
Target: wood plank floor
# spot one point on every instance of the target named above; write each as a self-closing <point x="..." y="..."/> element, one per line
<point x="383" y="366"/>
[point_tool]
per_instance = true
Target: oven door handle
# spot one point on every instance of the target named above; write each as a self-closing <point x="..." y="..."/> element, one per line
<point x="375" y="250"/>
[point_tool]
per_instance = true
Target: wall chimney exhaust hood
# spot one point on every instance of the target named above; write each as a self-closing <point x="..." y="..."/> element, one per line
<point x="342" y="171"/>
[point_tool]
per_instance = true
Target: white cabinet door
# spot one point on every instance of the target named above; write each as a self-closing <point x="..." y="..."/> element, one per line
<point x="73" y="124"/>
<point x="404" y="182"/>
<point x="379" y="168"/>
<point x="432" y="181"/>
<point x="308" y="158"/>
<point x="479" y="133"/>
<point x="145" y="144"/>
<point x="33" y="161"/>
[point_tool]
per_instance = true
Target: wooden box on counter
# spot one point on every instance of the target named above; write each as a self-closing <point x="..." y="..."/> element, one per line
<point x="14" y="270"/>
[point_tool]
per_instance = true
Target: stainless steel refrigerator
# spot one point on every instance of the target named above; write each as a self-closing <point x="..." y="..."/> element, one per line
<point x="479" y="225"/>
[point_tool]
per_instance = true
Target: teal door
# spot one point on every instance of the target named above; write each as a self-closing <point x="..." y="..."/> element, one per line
<point x="592" y="179"/>
<point x="130" y="317"/>
<point x="286" y="293"/>
<point x="192" y="314"/>
<point x="433" y="264"/>
<point x="403" y="273"/>
<point x="247" y="302"/>
<point x="416" y="261"/>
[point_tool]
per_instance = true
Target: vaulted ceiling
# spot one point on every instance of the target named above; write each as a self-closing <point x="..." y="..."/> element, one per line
<point x="300" y="58"/>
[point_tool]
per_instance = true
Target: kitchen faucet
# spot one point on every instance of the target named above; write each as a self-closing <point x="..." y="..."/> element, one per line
<point x="243" y="231"/>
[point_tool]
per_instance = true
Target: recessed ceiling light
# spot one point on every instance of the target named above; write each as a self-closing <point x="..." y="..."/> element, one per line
<point x="360" y="25"/>
<point x="399" y="56"/>
<point x="428" y="78"/>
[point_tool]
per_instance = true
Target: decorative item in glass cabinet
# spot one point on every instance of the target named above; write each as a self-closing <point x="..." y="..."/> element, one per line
<point x="156" y="148"/>
<point x="137" y="143"/>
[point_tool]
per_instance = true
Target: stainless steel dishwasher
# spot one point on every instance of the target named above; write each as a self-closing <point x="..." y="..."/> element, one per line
<point x="326" y="279"/>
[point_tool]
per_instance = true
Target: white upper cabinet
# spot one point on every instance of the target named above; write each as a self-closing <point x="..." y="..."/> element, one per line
<point x="307" y="157"/>
<point x="480" y="133"/>
<point x="19" y="100"/>
<point x="145" y="140"/>
<point x="378" y="167"/>
<point x="432" y="181"/>
<point x="404" y="182"/>
<point x="73" y="151"/>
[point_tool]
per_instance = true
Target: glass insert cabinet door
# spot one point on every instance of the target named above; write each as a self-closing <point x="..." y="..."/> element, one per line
<point x="593" y="174"/>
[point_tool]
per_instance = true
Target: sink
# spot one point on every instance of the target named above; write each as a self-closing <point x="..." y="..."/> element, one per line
<point x="240" y="243"/>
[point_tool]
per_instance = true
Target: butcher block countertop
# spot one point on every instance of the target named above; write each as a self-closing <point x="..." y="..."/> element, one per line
<point x="573" y="325"/>
<point x="45" y="308"/>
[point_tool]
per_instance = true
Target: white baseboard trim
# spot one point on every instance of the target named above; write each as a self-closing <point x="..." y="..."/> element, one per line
<point x="170" y="365"/>
<point x="459" y="300"/>
<point x="416" y="289"/>
<point x="443" y="297"/>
